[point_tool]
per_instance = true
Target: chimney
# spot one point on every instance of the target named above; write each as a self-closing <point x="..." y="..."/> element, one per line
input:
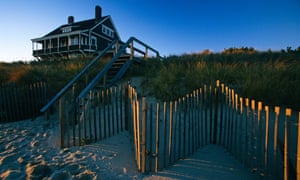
<point x="70" y="19"/>
<point x="98" y="13"/>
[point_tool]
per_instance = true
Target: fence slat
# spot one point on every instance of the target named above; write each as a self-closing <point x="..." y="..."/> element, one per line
<point x="288" y="114"/>
<point x="298" y="149"/>
<point x="144" y="132"/>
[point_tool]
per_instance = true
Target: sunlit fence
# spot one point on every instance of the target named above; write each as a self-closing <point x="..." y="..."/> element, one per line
<point x="265" y="139"/>
<point x="19" y="103"/>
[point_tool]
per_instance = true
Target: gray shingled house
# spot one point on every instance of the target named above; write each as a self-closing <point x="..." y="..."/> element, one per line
<point x="83" y="38"/>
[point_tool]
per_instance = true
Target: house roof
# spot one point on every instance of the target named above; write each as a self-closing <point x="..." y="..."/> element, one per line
<point x="77" y="26"/>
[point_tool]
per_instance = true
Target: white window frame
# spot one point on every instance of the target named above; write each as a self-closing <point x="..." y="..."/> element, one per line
<point x="67" y="29"/>
<point x="107" y="31"/>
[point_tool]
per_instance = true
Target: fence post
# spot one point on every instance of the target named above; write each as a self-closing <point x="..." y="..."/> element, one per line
<point x="165" y="134"/>
<point x="247" y="154"/>
<point x="298" y="149"/>
<point x="259" y="138"/>
<point x="222" y="122"/>
<point x="170" y="131"/>
<point x="61" y="122"/>
<point x="253" y="138"/>
<point x="216" y="113"/>
<point x="157" y="138"/>
<point x="275" y="163"/>
<point x="126" y="101"/>
<point x="288" y="113"/>
<point x="266" y="141"/>
<point x="144" y="129"/>
<point x="137" y="104"/>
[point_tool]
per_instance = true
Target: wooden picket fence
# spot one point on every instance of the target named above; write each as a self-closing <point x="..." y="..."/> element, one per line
<point x="19" y="103"/>
<point x="99" y="116"/>
<point x="265" y="139"/>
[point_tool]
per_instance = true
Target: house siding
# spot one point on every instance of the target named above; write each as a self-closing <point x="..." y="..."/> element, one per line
<point x="61" y="43"/>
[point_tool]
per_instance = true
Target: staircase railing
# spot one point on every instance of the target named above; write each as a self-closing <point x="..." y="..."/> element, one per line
<point x="129" y="44"/>
<point x="84" y="98"/>
<point x="83" y="72"/>
<point x="76" y="106"/>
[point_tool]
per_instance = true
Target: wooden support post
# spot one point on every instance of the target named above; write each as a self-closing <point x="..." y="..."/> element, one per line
<point x="247" y="154"/>
<point x="131" y="50"/>
<point x="266" y="171"/>
<point x="133" y="105"/>
<point x="175" y="144"/>
<point x="144" y="132"/>
<point x="258" y="145"/>
<point x="61" y="123"/>
<point x="253" y="138"/>
<point x="165" y="134"/>
<point x="108" y="111"/>
<point x="138" y="133"/>
<point x="112" y="102"/>
<point x="288" y="114"/>
<point x="170" y="131"/>
<point x="126" y="107"/>
<point x="104" y="97"/>
<point x="241" y="121"/>
<point x="298" y="149"/>
<point x="275" y="158"/>
<point x="151" y="137"/>
<point x="157" y="136"/>
<point x="89" y="114"/>
<point x="216" y="103"/>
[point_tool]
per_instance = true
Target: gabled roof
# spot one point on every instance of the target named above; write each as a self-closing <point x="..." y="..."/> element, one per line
<point x="77" y="26"/>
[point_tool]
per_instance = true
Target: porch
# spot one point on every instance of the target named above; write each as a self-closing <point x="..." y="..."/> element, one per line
<point x="64" y="46"/>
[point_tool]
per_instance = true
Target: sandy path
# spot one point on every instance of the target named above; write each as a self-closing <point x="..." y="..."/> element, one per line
<point x="29" y="150"/>
<point x="209" y="162"/>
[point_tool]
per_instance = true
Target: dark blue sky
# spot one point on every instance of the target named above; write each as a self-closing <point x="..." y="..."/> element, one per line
<point x="171" y="26"/>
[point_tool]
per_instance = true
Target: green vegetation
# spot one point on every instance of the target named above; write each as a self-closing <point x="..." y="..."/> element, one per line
<point x="272" y="77"/>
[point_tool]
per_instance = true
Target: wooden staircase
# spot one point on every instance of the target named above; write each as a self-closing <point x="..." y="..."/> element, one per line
<point x="74" y="98"/>
<point x="109" y="78"/>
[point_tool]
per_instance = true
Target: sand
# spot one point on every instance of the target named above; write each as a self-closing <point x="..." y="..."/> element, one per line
<point x="30" y="150"/>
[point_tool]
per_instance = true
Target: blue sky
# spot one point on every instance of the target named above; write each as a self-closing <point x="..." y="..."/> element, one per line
<point x="171" y="26"/>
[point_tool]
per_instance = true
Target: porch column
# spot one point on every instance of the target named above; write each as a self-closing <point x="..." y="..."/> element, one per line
<point x="58" y="44"/>
<point x="79" y="40"/>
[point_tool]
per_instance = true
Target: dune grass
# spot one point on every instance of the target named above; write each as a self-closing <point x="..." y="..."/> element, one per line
<point x="272" y="77"/>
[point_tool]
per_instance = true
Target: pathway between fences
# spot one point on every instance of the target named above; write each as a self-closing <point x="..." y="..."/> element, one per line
<point x="264" y="139"/>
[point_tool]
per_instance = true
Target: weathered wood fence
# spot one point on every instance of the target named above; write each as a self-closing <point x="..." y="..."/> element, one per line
<point x="19" y="103"/>
<point x="265" y="139"/>
<point x="100" y="115"/>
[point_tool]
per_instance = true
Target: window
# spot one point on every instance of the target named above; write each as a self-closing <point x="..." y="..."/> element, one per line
<point x="74" y="40"/>
<point x="63" y="43"/>
<point x="94" y="41"/>
<point x="107" y="31"/>
<point x="84" y="40"/>
<point x="66" y="29"/>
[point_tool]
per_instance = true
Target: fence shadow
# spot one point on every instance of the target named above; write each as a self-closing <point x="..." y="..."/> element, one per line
<point x="208" y="162"/>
